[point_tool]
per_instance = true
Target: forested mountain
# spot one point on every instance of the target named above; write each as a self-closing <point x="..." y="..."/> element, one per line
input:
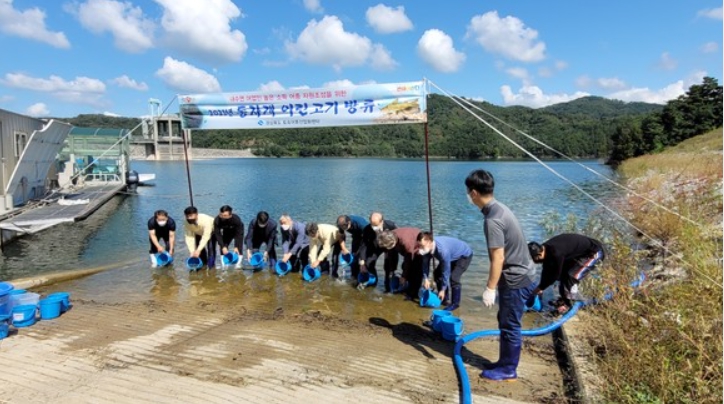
<point x="581" y="128"/>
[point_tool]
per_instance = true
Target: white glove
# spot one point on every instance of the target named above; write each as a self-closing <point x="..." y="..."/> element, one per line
<point x="489" y="297"/>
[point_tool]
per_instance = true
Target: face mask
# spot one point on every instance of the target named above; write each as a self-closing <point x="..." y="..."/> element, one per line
<point x="423" y="251"/>
<point x="377" y="228"/>
<point x="261" y="225"/>
<point x="470" y="199"/>
<point x="285" y="227"/>
<point x="161" y="222"/>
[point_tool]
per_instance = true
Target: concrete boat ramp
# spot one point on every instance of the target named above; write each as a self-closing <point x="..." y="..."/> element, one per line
<point x="210" y="349"/>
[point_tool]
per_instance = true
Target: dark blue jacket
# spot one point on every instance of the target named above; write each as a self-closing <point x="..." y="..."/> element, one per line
<point x="295" y="239"/>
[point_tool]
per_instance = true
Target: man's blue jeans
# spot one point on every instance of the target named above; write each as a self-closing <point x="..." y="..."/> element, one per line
<point x="512" y="307"/>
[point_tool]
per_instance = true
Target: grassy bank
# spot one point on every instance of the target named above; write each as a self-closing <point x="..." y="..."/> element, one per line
<point x="663" y="343"/>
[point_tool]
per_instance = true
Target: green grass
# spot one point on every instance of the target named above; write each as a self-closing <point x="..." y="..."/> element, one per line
<point x="663" y="343"/>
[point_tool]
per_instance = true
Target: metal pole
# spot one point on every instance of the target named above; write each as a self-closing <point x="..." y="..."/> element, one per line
<point x="188" y="170"/>
<point x="427" y="167"/>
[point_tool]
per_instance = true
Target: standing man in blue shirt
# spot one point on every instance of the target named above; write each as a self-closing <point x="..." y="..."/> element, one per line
<point x="511" y="272"/>
<point x="295" y="244"/>
<point x="453" y="257"/>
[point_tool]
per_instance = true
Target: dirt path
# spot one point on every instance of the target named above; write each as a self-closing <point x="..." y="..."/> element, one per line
<point x="201" y="352"/>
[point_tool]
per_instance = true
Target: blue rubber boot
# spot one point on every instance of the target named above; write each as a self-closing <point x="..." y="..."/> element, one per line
<point x="505" y="369"/>
<point x="455" y="299"/>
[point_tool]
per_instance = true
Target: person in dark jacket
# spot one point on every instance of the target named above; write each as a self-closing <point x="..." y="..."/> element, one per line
<point x="228" y="227"/>
<point x="262" y="230"/>
<point x="161" y="227"/>
<point x="567" y="258"/>
<point x="370" y="252"/>
<point x="295" y="244"/>
<point x="403" y="241"/>
<point x="354" y="225"/>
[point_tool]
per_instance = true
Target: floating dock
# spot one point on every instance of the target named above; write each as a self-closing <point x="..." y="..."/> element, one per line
<point x="64" y="208"/>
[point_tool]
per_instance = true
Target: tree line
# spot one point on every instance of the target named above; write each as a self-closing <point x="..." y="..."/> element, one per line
<point x="694" y="113"/>
<point x="589" y="127"/>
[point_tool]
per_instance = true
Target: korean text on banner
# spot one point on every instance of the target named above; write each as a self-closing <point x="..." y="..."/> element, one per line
<point x="372" y="104"/>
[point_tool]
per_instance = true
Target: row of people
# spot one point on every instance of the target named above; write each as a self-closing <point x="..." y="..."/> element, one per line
<point x="321" y="245"/>
<point x="567" y="258"/>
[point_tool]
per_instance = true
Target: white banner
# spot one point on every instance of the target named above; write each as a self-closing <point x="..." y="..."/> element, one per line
<point x="371" y="104"/>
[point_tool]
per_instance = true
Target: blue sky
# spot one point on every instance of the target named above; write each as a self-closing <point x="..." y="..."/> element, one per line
<point x="64" y="58"/>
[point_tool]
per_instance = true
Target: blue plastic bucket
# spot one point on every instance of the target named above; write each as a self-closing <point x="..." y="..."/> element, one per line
<point x="163" y="259"/>
<point x="64" y="300"/>
<point x="366" y="278"/>
<point x="428" y="298"/>
<point x="450" y="337"/>
<point x="50" y="308"/>
<point x="230" y="258"/>
<point x="533" y="304"/>
<point x="257" y="260"/>
<point x="451" y="325"/>
<point x="5" y="289"/>
<point x="346" y="259"/>
<point x="24" y="315"/>
<point x="194" y="263"/>
<point x="311" y="274"/>
<point x="4" y="326"/>
<point x="17" y="292"/>
<point x="283" y="268"/>
<point x="436" y="318"/>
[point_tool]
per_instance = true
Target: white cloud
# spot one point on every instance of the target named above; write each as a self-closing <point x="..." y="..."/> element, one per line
<point x="339" y="83"/>
<point x="666" y="62"/>
<point x="181" y="76"/>
<point x="271" y="86"/>
<point x="388" y="20"/>
<point x="518" y="72"/>
<point x="30" y="24"/>
<point x="127" y="82"/>
<point x="506" y="36"/>
<point x="53" y="84"/>
<point x="612" y="83"/>
<point x="558" y="66"/>
<point x="533" y="96"/>
<point x="561" y="65"/>
<point x="326" y="42"/>
<point x="262" y="51"/>
<point x="6" y="98"/>
<point x="302" y="87"/>
<point x="661" y="96"/>
<point x="713" y="13"/>
<point x="710" y="47"/>
<point x="131" y="30"/>
<point x="113" y="114"/>
<point x="313" y="6"/>
<point x="583" y="81"/>
<point x="436" y="48"/>
<point x="381" y="59"/>
<point x="274" y="63"/>
<point x="202" y="29"/>
<point x="37" y="109"/>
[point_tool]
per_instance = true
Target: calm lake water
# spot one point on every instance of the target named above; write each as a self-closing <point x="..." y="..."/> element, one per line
<point x="309" y="190"/>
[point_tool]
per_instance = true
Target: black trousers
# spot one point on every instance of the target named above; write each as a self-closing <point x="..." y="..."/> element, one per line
<point x="457" y="268"/>
<point x="153" y="249"/>
<point x="300" y="259"/>
<point x="412" y="272"/>
<point x="390" y="264"/>
<point x="208" y="254"/>
<point x="271" y="249"/>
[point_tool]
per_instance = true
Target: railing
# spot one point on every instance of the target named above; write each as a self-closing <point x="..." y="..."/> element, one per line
<point x="102" y="177"/>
